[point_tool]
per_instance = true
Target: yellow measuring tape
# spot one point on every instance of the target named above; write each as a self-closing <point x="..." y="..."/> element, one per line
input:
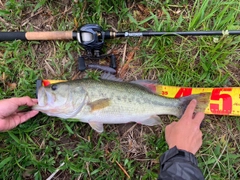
<point x="223" y="101"/>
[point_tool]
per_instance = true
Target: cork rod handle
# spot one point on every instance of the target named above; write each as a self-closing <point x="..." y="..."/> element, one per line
<point x="51" y="35"/>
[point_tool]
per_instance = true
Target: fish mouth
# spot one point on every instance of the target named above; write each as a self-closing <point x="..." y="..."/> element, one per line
<point x="43" y="97"/>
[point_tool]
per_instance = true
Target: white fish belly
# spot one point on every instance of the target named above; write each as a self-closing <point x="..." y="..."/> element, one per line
<point x="119" y="115"/>
<point x="110" y="119"/>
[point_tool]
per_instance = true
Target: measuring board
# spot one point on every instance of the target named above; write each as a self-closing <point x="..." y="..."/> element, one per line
<point x="223" y="101"/>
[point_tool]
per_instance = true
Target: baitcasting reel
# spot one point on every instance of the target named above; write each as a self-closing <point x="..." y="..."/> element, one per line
<point x="91" y="37"/>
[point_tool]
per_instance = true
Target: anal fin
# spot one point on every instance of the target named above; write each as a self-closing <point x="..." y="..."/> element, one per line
<point x="151" y="121"/>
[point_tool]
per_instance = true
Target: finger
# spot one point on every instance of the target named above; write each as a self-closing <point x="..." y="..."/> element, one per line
<point x="27" y="115"/>
<point x="199" y="118"/>
<point x="191" y="107"/>
<point x="15" y="120"/>
<point x="23" y="101"/>
<point x="188" y="114"/>
<point x="35" y="100"/>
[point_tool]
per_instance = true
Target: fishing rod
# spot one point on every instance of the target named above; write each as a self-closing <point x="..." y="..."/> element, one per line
<point x="91" y="37"/>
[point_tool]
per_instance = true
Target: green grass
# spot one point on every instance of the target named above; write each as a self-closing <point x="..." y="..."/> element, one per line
<point x="35" y="149"/>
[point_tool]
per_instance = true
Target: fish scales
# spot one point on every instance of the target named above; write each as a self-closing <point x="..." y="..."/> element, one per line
<point x="128" y="97"/>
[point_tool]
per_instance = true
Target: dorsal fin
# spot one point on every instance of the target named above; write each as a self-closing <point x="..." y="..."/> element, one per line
<point x="149" y="84"/>
<point x="111" y="77"/>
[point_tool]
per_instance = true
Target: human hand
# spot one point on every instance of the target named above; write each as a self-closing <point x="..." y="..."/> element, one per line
<point x="9" y="115"/>
<point x="186" y="133"/>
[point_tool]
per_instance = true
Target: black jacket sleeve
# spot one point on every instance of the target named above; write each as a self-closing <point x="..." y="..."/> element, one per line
<point x="179" y="165"/>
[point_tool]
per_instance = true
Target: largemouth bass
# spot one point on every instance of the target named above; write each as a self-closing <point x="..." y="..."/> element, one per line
<point x="103" y="101"/>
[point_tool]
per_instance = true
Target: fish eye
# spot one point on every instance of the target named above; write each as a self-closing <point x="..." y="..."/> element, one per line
<point x="54" y="87"/>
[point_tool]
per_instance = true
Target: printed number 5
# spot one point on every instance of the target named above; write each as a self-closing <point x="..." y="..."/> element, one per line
<point x="226" y="101"/>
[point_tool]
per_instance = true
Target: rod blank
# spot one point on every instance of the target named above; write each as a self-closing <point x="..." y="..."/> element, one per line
<point x="186" y="33"/>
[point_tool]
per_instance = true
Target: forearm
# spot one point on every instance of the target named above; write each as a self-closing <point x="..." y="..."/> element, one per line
<point x="179" y="165"/>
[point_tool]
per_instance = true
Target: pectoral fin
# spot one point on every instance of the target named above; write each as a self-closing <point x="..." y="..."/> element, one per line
<point x="99" y="104"/>
<point x="97" y="126"/>
<point x="151" y="121"/>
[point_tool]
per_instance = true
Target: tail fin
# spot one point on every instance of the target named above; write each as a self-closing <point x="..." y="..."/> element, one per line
<point x="202" y="102"/>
